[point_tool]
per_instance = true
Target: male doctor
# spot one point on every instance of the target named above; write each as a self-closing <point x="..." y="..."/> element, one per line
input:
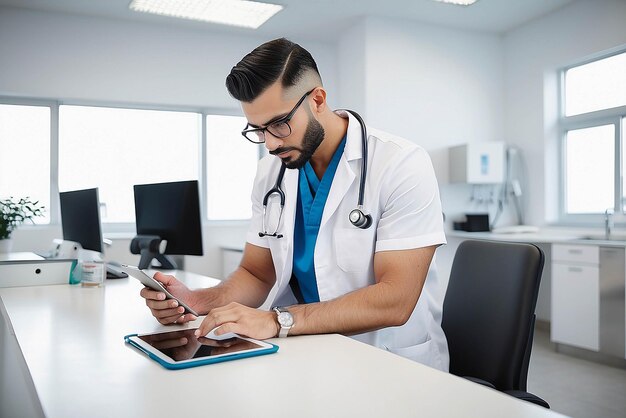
<point x="309" y="270"/>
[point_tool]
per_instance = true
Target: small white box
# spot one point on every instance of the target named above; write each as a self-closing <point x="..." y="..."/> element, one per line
<point x="17" y="273"/>
<point x="477" y="163"/>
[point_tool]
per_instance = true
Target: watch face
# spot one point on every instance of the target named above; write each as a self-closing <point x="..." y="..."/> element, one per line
<point x="285" y="319"/>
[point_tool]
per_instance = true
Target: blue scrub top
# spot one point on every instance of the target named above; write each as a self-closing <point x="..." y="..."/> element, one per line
<point x="312" y="196"/>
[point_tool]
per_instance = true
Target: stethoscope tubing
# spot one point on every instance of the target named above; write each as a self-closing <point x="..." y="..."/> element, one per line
<point x="277" y="189"/>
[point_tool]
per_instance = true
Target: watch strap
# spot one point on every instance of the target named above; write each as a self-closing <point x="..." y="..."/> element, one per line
<point x="283" y="332"/>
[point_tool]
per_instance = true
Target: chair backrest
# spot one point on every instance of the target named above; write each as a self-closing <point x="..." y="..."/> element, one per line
<point x="488" y="311"/>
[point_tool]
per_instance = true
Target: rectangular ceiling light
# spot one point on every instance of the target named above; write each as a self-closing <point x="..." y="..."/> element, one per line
<point x="459" y="2"/>
<point x="247" y="14"/>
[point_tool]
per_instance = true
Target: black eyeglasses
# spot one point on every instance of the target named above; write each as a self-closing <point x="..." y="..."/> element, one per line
<point x="279" y="128"/>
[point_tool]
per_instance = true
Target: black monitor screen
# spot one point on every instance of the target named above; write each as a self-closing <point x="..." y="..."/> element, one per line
<point x="80" y="218"/>
<point x="171" y="211"/>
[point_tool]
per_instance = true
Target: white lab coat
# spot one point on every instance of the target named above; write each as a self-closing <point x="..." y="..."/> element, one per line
<point x="402" y="196"/>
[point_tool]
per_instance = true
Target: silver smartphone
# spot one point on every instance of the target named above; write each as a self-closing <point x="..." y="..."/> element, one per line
<point x="154" y="284"/>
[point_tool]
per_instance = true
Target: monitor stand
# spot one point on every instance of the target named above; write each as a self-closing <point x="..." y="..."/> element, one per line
<point x="150" y="247"/>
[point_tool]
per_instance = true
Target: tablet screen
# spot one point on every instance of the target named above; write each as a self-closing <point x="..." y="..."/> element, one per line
<point x="184" y="345"/>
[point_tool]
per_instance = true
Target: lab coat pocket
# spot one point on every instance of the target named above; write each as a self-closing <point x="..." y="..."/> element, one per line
<point x="354" y="249"/>
<point x="421" y="353"/>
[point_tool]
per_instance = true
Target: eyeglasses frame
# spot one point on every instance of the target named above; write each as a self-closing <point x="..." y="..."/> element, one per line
<point x="286" y="119"/>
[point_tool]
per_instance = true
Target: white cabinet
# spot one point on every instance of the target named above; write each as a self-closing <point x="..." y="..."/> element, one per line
<point x="477" y="163"/>
<point x="576" y="295"/>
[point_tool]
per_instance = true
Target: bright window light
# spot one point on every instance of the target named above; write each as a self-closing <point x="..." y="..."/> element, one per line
<point x="25" y="154"/>
<point x="459" y="2"/>
<point x="231" y="166"/>
<point x="247" y="14"/>
<point x="595" y="86"/>
<point x="115" y="148"/>
<point x="590" y="169"/>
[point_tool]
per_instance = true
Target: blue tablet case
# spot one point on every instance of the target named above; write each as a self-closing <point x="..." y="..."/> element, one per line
<point x="203" y="361"/>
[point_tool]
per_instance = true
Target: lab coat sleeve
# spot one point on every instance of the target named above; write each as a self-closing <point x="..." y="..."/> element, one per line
<point x="256" y="222"/>
<point x="411" y="216"/>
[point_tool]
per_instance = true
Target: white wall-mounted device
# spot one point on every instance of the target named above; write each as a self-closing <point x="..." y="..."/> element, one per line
<point x="477" y="163"/>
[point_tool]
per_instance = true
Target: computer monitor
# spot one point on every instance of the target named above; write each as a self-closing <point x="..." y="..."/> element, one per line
<point x="80" y="218"/>
<point x="171" y="212"/>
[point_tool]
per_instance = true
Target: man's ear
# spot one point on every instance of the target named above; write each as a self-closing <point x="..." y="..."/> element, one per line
<point x="319" y="100"/>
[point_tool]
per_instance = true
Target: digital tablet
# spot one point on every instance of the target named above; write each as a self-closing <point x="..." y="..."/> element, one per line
<point x="153" y="284"/>
<point x="181" y="349"/>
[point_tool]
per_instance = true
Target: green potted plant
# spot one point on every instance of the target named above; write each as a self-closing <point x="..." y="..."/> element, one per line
<point x="13" y="213"/>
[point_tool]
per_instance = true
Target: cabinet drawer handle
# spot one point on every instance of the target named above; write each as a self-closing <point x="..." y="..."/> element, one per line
<point x="575" y="269"/>
<point x="575" y="251"/>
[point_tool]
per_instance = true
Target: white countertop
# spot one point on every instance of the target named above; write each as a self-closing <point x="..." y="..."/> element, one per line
<point x="543" y="236"/>
<point x="71" y="339"/>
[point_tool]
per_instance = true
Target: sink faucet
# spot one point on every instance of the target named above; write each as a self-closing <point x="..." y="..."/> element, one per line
<point x="608" y="222"/>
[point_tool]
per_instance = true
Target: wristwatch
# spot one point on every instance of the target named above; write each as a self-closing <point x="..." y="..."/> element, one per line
<point x="285" y="320"/>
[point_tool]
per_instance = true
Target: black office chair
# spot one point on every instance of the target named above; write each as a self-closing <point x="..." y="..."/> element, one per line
<point x="489" y="314"/>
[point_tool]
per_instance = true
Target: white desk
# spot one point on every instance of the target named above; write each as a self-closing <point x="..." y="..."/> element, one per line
<point x="67" y="341"/>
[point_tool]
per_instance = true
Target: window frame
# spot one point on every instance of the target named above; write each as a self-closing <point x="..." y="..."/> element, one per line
<point x="610" y="116"/>
<point x="125" y="229"/>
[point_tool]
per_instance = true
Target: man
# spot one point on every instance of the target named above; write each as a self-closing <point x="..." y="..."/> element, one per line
<point x="324" y="274"/>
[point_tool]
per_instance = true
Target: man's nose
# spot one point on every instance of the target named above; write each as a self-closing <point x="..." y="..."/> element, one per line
<point x="271" y="142"/>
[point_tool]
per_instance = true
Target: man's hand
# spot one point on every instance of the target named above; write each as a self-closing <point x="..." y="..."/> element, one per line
<point x="242" y="320"/>
<point x="168" y="311"/>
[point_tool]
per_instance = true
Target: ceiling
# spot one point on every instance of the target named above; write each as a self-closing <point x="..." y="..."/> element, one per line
<point x="325" y="19"/>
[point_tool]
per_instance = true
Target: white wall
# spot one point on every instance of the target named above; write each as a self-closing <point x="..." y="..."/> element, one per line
<point x="351" y="51"/>
<point x="438" y="87"/>
<point x="435" y="86"/>
<point x="533" y="54"/>
<point x="96" y="60"/>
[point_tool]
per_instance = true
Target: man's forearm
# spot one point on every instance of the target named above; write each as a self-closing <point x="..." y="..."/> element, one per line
<point x="368" y="309"/>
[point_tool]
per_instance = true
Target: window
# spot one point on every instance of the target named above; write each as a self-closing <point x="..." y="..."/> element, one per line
<point x="593" y="146"/>
<point x="25" y="156"/>
<point x="590" y="181"/>
<point x="231" y="166"/>
<point x="115" y="148"/>
<point x="595" y="86"/>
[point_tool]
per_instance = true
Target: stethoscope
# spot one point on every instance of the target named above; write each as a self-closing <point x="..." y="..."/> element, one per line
<point x="357" y="216"/>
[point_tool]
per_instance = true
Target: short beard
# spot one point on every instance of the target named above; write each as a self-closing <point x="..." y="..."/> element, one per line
<point x="313" y="137"/>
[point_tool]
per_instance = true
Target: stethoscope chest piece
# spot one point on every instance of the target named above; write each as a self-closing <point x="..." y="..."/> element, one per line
<point x="359" y="219"/>
<point x="278" y="191"/>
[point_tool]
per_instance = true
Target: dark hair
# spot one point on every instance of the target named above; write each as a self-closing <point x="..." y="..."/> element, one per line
<point x="265" y="64"/>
